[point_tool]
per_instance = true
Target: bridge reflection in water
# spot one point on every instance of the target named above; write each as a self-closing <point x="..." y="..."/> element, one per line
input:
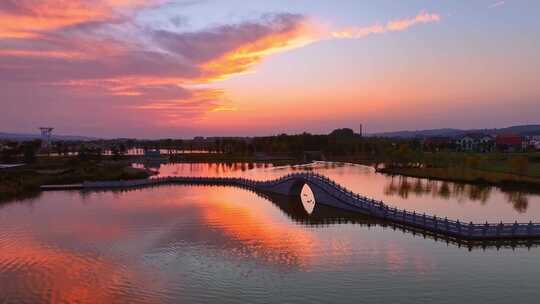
<point x="328" y="192"/>
<point x="305" y="210"/>
<point x="323" y="215"/>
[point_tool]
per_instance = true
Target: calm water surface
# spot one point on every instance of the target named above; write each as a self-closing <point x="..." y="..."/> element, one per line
<point x="195" y="244"/>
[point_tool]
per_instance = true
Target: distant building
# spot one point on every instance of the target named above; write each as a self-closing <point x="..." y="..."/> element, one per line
<point x="475" y="142"/>
<point x="12" y="146"/>
<point x="46" y="134"/>
<point x="510" y="142"/>
<point x="533" y="142"/>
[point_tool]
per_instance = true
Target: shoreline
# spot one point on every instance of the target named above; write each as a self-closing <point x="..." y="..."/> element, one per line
<point x="461" y="175"/>
<point x="25" y="182"/>
<point x="504" y="181"/>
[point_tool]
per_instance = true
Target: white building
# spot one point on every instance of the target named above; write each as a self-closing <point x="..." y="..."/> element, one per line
<point x="475" y="142"/>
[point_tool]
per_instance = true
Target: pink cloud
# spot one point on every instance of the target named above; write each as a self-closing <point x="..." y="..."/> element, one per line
<point x="496" y="4"/>
<point x="80" y="58"/>
<point x="29" y="18"/>
<point x="391" y="26"/>
<point x="70" y="62"/>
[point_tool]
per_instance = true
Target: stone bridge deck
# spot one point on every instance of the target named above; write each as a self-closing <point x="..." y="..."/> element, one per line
<point x="327" y="192"/>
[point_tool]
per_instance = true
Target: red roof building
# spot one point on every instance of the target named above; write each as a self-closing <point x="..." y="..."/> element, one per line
<point x="509" y="141"/>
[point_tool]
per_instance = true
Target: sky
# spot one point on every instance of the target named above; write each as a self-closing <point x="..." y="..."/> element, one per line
<point x="164" y="68"/>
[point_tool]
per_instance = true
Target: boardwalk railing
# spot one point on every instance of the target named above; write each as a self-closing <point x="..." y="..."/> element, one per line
<point x="361" y="203"/>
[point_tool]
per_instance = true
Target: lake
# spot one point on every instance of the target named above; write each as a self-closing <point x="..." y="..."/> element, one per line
<point x="200" y="244"/>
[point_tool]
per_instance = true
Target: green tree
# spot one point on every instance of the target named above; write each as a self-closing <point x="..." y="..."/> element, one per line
<point x="83" y="152"/>
<point x="29" y="152"/>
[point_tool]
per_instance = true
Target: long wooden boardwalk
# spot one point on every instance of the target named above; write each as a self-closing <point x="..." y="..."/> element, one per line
<point x="337" y="195"/>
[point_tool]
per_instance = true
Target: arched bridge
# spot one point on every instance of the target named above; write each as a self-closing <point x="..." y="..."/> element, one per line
<point x="327" y="192"/>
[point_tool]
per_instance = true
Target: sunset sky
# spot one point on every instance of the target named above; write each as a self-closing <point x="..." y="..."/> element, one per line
<point x="158" y="68"/>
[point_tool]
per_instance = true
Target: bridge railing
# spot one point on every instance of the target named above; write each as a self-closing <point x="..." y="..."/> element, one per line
<point x="437" y="223"/>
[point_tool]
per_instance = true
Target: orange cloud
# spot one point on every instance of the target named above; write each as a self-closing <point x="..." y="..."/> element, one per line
<point x="391" y="26"/>
<point x="153" y="78"/>
<point x="27" y="18"/>
<point x="241" y="59"/>
<point x="224" y="109"/>
<point x="23" y="26"/>
<point x="78" y="49"/>
<point x="195" y="103"/>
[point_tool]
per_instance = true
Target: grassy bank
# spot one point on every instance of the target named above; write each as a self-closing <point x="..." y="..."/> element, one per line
<point x="467" y="175"/>
<point x="517" y="171"/>
<point x="25" y="181"/>
<point x="471" y="175"/>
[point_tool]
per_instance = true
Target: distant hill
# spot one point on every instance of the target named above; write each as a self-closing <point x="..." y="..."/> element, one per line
<point x="421" y="133"/>
<point x="26" y="137"/>
<point x="524" y="130"/>
<point x="521" y="130"/>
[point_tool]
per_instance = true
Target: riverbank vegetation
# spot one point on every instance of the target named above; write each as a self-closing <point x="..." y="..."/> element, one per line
<point x="25" y="181"/>
<point x="506" y="170"/>
<point x="408" y="157"/>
